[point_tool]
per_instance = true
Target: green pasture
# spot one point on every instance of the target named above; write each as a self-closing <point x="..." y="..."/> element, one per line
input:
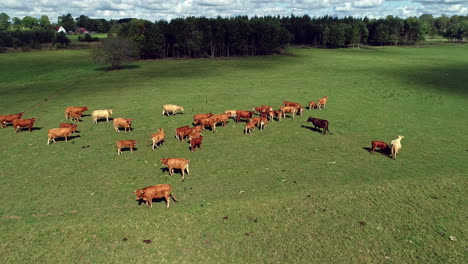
<point x="74" y="38"/>
<point x="284" y="195"/>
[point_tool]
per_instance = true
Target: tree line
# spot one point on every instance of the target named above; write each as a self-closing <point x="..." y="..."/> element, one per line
<point x="241" y="35"/>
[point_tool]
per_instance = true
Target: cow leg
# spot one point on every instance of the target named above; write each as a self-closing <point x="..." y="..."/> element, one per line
<point x="66" y="139"/>
<point x="168" y="200"/>
<point x="118" y="151"/>
<point x="131" y="149"/>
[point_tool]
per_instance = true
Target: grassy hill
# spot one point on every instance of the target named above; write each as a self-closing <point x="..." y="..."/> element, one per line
<point x="286" y="194"/>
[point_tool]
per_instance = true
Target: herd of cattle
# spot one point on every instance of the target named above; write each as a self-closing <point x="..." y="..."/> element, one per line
<point x="258" y="117"/>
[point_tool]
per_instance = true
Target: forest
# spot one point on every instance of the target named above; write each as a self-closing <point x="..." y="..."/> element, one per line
<point x="239" y="36"/>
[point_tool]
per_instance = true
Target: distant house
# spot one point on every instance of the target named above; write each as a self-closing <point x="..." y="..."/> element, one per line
<point x="81" y="31"/>
<point x="60" y="29"/>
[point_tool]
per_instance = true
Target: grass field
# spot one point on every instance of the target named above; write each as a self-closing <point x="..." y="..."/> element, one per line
<point x="284" y="195"/>
<point x="74" y="38"/>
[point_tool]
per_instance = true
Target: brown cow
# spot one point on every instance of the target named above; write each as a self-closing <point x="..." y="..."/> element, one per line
<point x="126" y="123"/>
<point x="277" y="113"/>
<point x="263" y="108"/>
<point x="19" y="123"/>
<point x="223" y="118"/>
<point x="312" y="105"/>
<point x="263" y="123"/>
<point x="198" y="117"/>
<point x="158" y="138"/>
<point x="78" y="109"/>
<point x="75" y="116"/>
<point x="288" y="109"/>
<point x="208" y="122"/>
<point x="155" y="192"/>
<point x="64" y="125"/>
<point x="4" y="119"/>
<point x="243" y="114"/>
<point x="58" y="132"/>
<point x="196" y="142"/>
<point x="176" y="163"/>
<point x="320" y="123"/>
<point x="249" y="127"/>
<point x="298" y="106"/>
<point x="381" y="145"/>
<point x="125" y="144"/>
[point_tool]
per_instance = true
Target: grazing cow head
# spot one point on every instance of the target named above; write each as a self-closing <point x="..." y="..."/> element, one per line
<point x="139" y="194"/>
<point x="181" y="108"/>
<point x="160" y="130"/>
<point x="110" y="112"/>
<point x="164" y="161"/>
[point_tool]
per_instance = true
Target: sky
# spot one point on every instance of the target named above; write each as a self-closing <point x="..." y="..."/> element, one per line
<point x="168" y="9"/>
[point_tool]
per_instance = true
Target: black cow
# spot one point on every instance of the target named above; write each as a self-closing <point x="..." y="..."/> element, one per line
<point x="320" y="123"/>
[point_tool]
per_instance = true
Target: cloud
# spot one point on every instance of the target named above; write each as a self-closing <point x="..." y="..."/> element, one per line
<point x="168" y="9"/>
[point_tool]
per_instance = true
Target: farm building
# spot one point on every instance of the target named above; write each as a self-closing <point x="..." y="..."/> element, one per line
<point x="60" y="29"/>
<point x="81" y="30"/>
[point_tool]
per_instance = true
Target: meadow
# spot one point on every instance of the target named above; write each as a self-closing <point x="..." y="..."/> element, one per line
<point x="284" y="195"/>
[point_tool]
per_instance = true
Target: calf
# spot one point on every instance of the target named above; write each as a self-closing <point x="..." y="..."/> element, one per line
<point x="125" y="144"/>
<point x="65" y="125"/>
<point x="249" y="127"/>
<point x="299" y="108"/>
<point x="244" y="114"/>
<point x="79" y="109"/>
<point x="58" y="132"/>
<point x="126" y="123"/>
<point x="169" y="108"/>
<point x="75" y="116"/>
<point x="319" y="123"/>
<point x="312" y="105"/>
<point x="176" y="163"/>
<point x="158" y="138"/>
<point x="288" y="109"/>
<point x="381" y="145"/>
<point x="396" y="146"/>
<point x="19" y="123"/>
<point x="198" y="117"/>
<point x="97" y="114"/>
<point x="196" y="142"/>
<point x="4" y="119"/>
<point x="155" y="192"/>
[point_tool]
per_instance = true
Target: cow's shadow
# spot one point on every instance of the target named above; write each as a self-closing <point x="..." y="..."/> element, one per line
<point x="125" y="149"/>
<point x="71" y="137"/>
<point x="104" y="120"/>
<point x="381" y="151"/>
<point x="312" y="128"/>
<point x="21" y="129"/>
<point x="155" y="201"/>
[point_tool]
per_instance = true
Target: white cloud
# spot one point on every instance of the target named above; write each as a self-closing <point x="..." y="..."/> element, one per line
<point x="168" y="9"/>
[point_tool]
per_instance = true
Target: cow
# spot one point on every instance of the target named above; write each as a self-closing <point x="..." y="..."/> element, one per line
<point x="126" y="123"/>
<point x="223" y="118"/>
<point x="97" y="114"/>
<point x="125" y="144"/>
<point x="79" y="109"/>
<point x="381" y="145"/>
<point x="288" y="109"/>
<point x="158" y="138"/>
<point x="322" y="102"/>
<point x="177" y="163"/>
<point x="263" y="108"/>
<point x="182" y="132"/>
<point x="312" y="105"/>
<point x="64" y="125"/>
<point x="319" y="123"/>
<point x="19" y="123"/>
<point x="4" y="119"/>
<point x="75" y="116"/>
<point x="249" y="127"/>
<point x="58" y="132"/>
<point x="155" y="192"/>
<point x="198" y="117"/>
<point x="396" y="146"/>
<point x="233" y="113"/>
<point x="243" y="114"/>
<point x="299" y="108"/>
<point x="208" y="122"/>
<point x="195" y="134"/>
<point x="169" y="108"/>
<point x="263" y="123"/>
<point x="277" y="113"/>
<point x="196" y="142"/>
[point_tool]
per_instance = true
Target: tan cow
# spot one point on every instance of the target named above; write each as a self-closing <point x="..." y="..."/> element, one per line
<point x="126" y="123"/>
<point x="169" y="108"/>
<point x="155" y="192"/>
<point x="158" y="138"/>
<point x="125" y="144"/>
<point x="58" y="132"/>
<point x="177" y="163"/>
